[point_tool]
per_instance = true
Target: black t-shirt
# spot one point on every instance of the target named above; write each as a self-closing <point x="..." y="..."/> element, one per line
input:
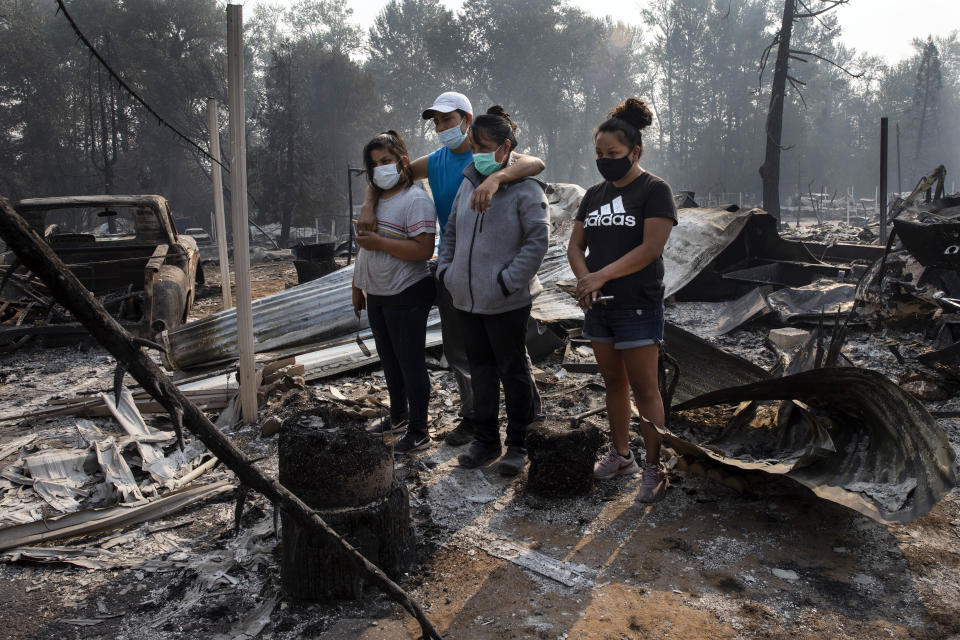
<point x="613" y="220"/>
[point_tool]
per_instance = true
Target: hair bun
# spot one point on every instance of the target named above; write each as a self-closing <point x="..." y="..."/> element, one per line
<point x="497" y="110"/>
<point x="635" y="111"/>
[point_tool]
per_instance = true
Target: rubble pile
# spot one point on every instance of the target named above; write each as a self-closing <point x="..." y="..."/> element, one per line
<point x="95" y="469"/>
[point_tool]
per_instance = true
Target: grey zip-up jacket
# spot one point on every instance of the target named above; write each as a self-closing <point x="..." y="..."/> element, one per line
<point x="489" y="261"/>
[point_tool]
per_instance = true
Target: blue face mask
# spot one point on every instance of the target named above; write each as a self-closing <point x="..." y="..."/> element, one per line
<point x="486" y="163"/>
<point x="452" y="138"/>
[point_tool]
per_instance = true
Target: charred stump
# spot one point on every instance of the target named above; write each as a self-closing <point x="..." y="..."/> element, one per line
<point x="345" y="474"/>
<point x="561" y="457"/>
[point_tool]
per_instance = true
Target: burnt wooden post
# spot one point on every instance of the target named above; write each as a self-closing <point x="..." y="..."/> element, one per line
<point x="329" y="461"/>
<point x="561" y="457"/>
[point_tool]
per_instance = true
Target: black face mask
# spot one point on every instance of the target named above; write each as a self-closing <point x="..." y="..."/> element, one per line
<point x="613" y="169"/>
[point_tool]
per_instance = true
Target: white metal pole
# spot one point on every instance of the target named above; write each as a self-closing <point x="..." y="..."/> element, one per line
<point x="241" y="235"/>
<point x="221" y="225"/>
<point x="849" y="202"/>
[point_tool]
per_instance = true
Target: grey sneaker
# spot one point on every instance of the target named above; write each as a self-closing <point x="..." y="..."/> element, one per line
<point x="461" y="434"/>
<point x="387" y="425"/>
<point x="615" y="464"/>
<point x="654" y="484"/>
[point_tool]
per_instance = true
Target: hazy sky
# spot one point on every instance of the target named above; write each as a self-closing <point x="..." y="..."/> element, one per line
<point x="880" y="27"/>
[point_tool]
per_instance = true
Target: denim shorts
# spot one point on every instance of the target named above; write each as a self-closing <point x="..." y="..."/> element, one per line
<point x="625" y="328"/>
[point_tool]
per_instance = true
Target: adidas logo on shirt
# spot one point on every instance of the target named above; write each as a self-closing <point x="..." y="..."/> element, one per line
<point x="610" y="215"/>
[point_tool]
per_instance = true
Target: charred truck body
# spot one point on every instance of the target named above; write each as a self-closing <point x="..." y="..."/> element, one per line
<point x="124" y="247"/>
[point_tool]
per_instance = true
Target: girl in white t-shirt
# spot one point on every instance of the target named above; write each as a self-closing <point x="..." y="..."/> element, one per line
<point x="392" y="281"/>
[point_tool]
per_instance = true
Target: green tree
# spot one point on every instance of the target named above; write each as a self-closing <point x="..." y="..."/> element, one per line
<point x="41" y="141"/>
<point x="315" y="109"/>
<point x="555" y="69"/>
<point x="414" y="51"/>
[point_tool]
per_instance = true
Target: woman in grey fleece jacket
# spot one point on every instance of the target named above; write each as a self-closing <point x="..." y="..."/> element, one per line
<point x="489" y="261"/>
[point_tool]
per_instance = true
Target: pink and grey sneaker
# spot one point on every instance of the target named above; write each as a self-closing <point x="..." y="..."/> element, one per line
<point x="615" y="464"/>
<point x="654" y="484"/>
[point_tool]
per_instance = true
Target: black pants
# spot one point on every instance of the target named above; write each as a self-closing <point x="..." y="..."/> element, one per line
<point x="399" y="325"/>
<point x="497" y="351"/>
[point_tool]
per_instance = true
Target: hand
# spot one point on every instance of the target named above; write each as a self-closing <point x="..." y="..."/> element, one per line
<point x="588" y="288"/>
<point x="484" y="193"/>
<point x="368" y="240"/>
<point x="359" y="302"/>
<point x="368" y="219"/>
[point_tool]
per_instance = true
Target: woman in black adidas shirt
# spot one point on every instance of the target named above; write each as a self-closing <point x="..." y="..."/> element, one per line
<point x="615" y="251"/>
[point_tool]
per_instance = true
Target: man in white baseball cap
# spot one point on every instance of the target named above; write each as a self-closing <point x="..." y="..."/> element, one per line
<point x="447" y="102"/>
<point x="452" y="113"/>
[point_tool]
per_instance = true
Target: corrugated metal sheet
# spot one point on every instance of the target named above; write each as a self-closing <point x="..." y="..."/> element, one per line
<point x="321" y="310"/>
<point x="311" y="312"/>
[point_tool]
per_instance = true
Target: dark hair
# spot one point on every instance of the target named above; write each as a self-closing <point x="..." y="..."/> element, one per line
<point x="627" y="120"/>
<point x="393" y="143"/>
<point x="496" y="125"/>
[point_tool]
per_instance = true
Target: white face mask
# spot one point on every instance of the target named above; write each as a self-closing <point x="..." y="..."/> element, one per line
<point x="453" y="137"/>
<point x="386" y="176"/>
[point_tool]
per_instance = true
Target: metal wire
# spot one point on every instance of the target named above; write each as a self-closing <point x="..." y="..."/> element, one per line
<point x="133" y="94"/>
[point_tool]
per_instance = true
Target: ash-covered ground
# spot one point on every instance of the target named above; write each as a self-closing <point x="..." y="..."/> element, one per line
<point x="496" y="562"/>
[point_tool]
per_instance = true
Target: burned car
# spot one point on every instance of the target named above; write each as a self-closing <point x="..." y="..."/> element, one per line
<point x="125" y="249"/>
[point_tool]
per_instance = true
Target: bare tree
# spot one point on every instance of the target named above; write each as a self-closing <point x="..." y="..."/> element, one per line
<point x="793" y="11"/>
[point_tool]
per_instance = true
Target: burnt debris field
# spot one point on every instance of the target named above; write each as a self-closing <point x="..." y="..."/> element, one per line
<point x="811" y="447"/>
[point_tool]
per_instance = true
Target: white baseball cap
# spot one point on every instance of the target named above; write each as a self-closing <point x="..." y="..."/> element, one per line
<point x="447" y="102"/>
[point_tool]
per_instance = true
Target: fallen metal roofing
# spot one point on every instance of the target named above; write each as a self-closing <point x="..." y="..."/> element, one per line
<point x="734" y="313"/>
<point x="850" y="435"/>
<point x="822" y="299"/>
<point x="723" y="238"/>
<point x="312" y="312"/>
<point x="705" y="367"/>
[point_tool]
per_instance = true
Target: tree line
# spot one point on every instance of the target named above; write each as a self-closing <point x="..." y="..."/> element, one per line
<point x="319" y="86"/>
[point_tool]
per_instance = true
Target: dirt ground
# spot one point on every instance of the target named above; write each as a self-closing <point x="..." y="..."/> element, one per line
<point x="494" y="561"/>
<point x="265" y="278"/>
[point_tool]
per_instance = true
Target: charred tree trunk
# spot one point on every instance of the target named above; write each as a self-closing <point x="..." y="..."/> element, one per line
<point x="561" y="457"/>
<point x="770" y="169"/>
<point x="331" y="463"/>
<point x="37" y="256"/>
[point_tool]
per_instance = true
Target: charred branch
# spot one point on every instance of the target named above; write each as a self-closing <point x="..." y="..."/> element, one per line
<point x="813" y="13"/>
<point x="794" y="53"/>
